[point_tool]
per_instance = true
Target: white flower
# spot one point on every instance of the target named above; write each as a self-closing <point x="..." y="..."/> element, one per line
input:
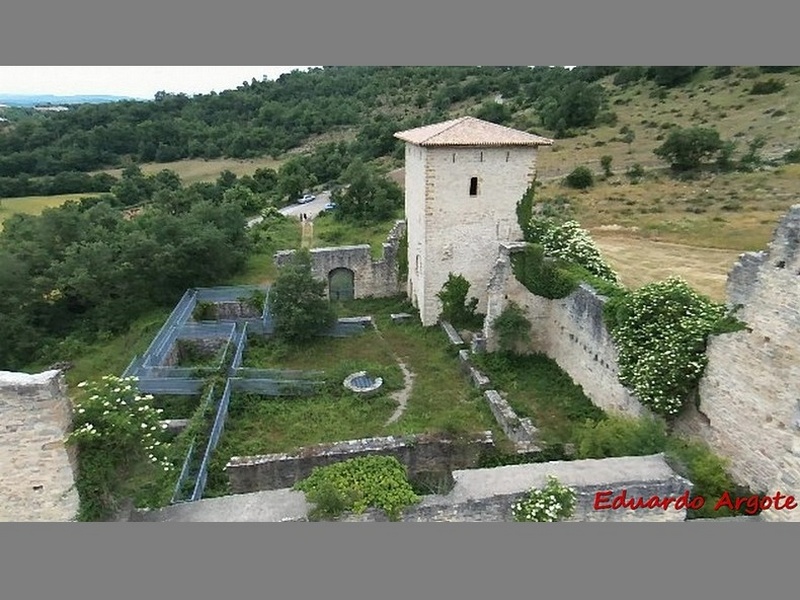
<point x="82" y="384"/>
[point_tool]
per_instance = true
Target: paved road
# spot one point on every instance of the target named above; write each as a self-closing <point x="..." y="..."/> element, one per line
<point x="312" y="209"/>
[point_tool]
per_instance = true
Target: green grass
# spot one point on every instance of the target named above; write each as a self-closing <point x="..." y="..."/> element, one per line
<point x="33" y="205"/>
<point x="537" y="388"/>
<point x="276" y="234"/>
<point x="330" y="232"/>
<point x="176" y="407"/>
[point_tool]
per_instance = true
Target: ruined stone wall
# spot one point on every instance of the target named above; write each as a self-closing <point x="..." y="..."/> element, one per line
<point x="36" y="469"/>
<point x="571" y="331"/>
<point x="489" y="494"/>
<point x="377" y="278"/>
<point x="417" y="452"/>
<point x="749" y="408"/>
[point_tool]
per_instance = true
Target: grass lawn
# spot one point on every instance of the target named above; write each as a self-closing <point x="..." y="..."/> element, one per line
<point x="33" y="205"/>
<point x="537" y="388"/>
<point x="441" y="398"/>
<point x="330" y="232"/>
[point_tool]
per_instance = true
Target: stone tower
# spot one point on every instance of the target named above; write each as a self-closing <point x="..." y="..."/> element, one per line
<point x="463" y="179"/>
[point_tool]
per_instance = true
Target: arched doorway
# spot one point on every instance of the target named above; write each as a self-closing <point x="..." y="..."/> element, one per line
<point x="341" y="284"/>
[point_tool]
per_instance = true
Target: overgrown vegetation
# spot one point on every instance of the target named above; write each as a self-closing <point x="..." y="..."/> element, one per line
<point x="456" y="309"/>
<point x="357" y="484"/>
<point x="660" y="332"/>
<point x="116" y="430"/>
<point x="512" y="328"/>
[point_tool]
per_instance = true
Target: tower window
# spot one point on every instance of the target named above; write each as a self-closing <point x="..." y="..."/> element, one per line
<point x="454" y="157"/>
<point x="481" y="156"/>
<point x="508" y="154"/>
<point x="473" y="186"/>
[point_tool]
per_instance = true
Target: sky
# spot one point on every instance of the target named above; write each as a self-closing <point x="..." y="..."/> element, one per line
<point x="135" y="82"/>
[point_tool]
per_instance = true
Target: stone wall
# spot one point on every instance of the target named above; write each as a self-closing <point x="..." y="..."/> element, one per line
<point x="419" y="453"/>
<point x="478" y="495"/>
<point x="749" y="408"/>
<point x="376" y="278"/>
<point x="37" y="474"/>
<point x="571" y="331"/>
<point x="489" y="494"/>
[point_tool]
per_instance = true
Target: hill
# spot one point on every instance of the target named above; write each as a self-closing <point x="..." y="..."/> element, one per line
<point x="263" y="143"/>
<point x="47" y="99"/>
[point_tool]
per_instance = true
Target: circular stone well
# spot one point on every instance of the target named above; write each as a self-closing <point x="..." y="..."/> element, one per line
<point x="362" y="383"/>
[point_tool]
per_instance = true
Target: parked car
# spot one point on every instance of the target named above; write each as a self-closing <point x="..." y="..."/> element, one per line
<point x="306" y="199"/>
<point x="330" y="206"/>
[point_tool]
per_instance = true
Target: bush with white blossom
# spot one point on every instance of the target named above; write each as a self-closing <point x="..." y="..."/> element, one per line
<point x="569" y="242"/>
<point x="660" y="331"/>
<point x="114" y="425"/>
<point x="554" y="502"/>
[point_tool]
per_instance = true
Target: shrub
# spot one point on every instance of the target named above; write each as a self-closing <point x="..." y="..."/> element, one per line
<point x="114" y="427"/>
<point x="357" y="484"/>
<point x="455" y="307"/>
<point x="569" y="242"/>
<point x="792" y="156"/>
<point x="580" y="178"/>
<point x="767" y="86"/>
<point x="605" y="162"/>
<point x="512" y="327"/>
<point x="635" y="172"/>
<point x="552" y="503"/>
<point x="660" y="331"/>
<point x="620" y="436"/>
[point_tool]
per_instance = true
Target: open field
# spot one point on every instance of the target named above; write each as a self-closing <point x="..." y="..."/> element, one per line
<point x="639" y="261"/>
<point x="198" y="170"/>
<point x="33" y="205"/>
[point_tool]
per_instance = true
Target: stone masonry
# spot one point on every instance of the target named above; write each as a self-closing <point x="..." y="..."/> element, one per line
<point x="36" y="469"/>
<point x="571" y="331"/>
<point x="463" y="179"/>
<point x="371" y="278"/>
<point x="749" y="406"/>
<point x="478" y="495"/>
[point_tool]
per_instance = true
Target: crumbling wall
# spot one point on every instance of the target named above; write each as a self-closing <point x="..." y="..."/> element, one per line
<point x="37" y="470"/>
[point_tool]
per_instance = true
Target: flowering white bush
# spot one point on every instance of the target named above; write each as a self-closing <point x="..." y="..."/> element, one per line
<point x="113" y="418"/>
<point x="552" y="503"/>
<point x="660" y="331"/>
<point x="569" y="242"/>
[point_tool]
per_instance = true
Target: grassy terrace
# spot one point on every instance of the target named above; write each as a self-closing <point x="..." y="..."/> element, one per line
<point x="441" y="399"/>
<point x="537" y="388"/>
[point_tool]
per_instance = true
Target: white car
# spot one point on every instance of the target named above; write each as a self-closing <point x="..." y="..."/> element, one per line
<point x="306" y="199"/>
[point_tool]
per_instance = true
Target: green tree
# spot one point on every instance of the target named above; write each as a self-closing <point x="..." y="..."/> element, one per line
<point x="580" y="178"/>
<point x="367" y="197"/>
<point x="687" y="149"/>
<point x="298" y="303"/>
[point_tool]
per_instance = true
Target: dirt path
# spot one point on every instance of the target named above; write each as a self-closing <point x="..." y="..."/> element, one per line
<point x="307" y="234"/>
<point x="401" y="396"/>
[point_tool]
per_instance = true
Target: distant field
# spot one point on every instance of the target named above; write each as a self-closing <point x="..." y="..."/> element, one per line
<point x="33" y="205"/>
<point x="639" y="261"/>
<point x="198" y="170"/>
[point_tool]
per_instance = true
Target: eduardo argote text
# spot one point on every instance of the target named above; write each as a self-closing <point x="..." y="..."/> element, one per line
<point x="606" y="500"/>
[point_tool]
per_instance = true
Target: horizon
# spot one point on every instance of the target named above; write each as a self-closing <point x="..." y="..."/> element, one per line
<point x="137" y="82"/>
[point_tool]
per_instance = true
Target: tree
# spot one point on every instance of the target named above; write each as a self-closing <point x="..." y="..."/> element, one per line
<point x="686" y="149"/>
<point x="368" y="196"/>
<point x="298" y="303"/>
